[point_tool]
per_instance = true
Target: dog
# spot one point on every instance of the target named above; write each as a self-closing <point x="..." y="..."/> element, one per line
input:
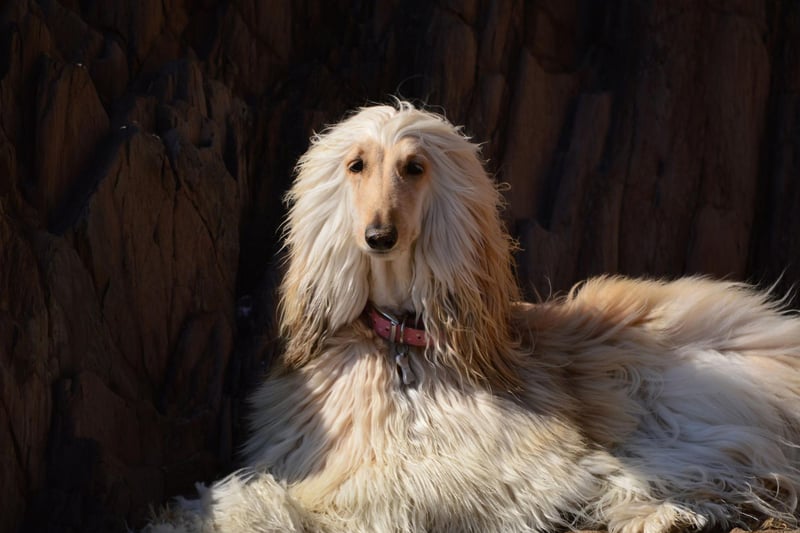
<point x="418" y="393"/>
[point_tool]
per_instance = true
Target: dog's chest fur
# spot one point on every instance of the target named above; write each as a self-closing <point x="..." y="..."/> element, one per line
<point x="345" y="433"/>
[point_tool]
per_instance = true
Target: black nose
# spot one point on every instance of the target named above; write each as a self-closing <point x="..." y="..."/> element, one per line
<point x="381" y="238"/>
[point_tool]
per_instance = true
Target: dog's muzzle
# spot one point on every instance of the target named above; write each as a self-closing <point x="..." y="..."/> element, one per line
<point x="381" y="238"/>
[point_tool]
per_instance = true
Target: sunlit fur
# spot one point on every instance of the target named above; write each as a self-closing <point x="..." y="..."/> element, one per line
<point x="462" y="282"/>
<point x="640" y="406"/>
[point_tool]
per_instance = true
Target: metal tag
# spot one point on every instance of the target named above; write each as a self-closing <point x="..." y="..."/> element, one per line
<point x="401" y="358"/>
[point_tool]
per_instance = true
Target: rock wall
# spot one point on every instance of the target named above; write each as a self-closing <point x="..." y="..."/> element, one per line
<point x="145" y="146"/>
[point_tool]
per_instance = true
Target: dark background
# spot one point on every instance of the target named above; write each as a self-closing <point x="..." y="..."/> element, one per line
<point x="145" y="146"/>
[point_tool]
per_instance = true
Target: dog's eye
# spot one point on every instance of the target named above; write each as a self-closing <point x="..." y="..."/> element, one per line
<point x="414" y="169"/>
<point x="356" y="166"/>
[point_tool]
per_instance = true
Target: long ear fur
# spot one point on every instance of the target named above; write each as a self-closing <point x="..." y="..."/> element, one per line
<point x="326" y="281"/>
<point x="463" y="281"/>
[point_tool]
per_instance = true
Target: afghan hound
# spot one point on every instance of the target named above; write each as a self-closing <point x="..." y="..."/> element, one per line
<point x="418" y="393"/>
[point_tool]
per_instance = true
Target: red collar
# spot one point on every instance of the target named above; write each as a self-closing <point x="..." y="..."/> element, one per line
<point x="394" y="330"/>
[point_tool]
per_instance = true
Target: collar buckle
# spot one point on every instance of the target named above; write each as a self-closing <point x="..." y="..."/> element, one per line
<point x="400" y="337"/>
<point x="396" y="330"/>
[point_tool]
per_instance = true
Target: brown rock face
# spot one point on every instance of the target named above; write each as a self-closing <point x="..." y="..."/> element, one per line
<point x="145" y="147"/>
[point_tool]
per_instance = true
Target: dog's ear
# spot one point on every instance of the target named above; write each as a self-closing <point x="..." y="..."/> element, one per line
<point x="472" y="286"/>
<point x="325" y="284"/>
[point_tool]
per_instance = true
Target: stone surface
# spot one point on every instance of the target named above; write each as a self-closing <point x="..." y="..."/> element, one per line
<point x="145" y="147"/>
<point x="70" y="123"/>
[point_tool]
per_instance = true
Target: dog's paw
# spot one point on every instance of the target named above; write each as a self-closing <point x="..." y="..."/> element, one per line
<point x="657" y="518"/>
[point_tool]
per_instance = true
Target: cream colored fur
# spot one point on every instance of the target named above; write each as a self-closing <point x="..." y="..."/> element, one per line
<point x="641" y="406"/>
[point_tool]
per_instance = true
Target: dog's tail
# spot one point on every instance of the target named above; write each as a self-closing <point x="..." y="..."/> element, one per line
<point x="697" y="383"/>
<point x="727" y="392"/>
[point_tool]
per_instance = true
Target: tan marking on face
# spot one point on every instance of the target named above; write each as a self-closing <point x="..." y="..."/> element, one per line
<point x="389" y="184"/>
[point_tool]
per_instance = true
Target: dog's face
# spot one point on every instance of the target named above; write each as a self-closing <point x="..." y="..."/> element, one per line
<point x="389" y="185"/>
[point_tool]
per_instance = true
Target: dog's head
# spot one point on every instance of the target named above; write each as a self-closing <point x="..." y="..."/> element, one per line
<point x="389" y="181"/>
<point x="398" y="184"/>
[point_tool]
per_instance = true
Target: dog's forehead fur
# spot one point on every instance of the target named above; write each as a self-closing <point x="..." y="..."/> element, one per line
<point x="388" y="126"/>
<point x="387" y="156"/>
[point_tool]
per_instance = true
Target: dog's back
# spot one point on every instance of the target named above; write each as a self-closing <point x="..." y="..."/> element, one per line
<point x="693" y="385"/>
